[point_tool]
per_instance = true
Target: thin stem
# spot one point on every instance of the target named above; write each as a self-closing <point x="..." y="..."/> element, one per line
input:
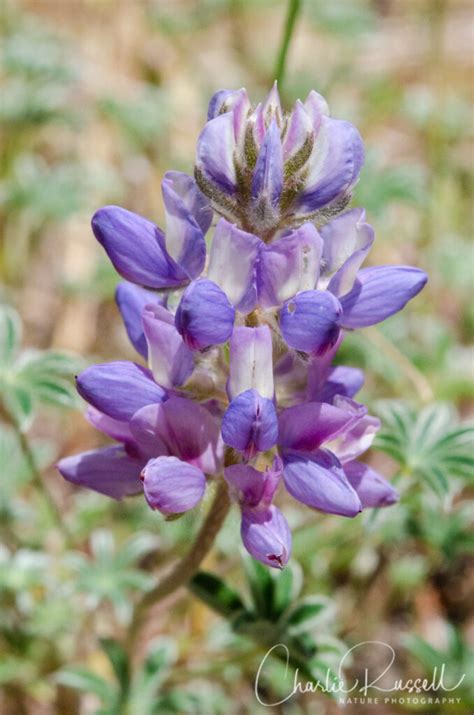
<point x="185" y="569"/>
<point x="418" y="380"/>
<point x="294" y="6"/>
<point x="37" y="480"/>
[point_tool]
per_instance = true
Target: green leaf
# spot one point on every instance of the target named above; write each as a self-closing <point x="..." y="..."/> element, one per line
<point x="10" y="334"/>
<point x="119" y="661"/>
<point x="423" y="651"/>
<point x="262" y="586"/>
<point x="428" y="445"/>
<point x="146" y="684"/>
<point x="19" y="402"/>
<point x="216" y="594"/>
<point x="84" y="680"/>
<point x="287" y="587"/>
<point x="307" y="613"/>
<point x="54" y="390"/>
<point x="50" y="361"/>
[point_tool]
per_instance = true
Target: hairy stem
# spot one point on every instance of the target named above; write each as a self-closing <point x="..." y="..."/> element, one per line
<point x="185" y="569"/>
<point x="294" y="7"/>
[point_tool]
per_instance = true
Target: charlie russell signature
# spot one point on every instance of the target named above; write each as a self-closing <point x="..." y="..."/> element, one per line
<point x="335" y="683"/>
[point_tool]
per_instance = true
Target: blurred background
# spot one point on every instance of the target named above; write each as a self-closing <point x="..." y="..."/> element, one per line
<point x="98" y="99"/>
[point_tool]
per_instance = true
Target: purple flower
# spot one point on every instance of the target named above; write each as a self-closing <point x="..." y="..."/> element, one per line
<point x="142" y="253"/>
<point x="240" y="346"/>
<point x="172" y="486"/>
<point x="265" y="168"/>
<point x="205" y="315"/>
<point x="264" y="530"/>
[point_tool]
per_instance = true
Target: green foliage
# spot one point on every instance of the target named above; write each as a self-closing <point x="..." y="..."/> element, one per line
<point x="276" y="614"/>
<point x="427" y="446"/>
<point x="142" y="120"/>
<point x="32" y="377"/>
<point x="457" y="655"/>
<point x="109" y="574"/>
<point x="145" y="692"/>
<point x="381" y="187"/>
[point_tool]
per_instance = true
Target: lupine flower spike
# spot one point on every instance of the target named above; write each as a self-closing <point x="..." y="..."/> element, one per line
<point x="244" y="365"/>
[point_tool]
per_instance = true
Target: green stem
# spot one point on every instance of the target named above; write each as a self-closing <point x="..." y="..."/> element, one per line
<point x="37" y="480"/>
<point x="294" y="7"/>
<point x="184" y="569"/>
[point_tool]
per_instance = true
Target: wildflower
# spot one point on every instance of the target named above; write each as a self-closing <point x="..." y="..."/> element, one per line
<point x="241" y="373"/>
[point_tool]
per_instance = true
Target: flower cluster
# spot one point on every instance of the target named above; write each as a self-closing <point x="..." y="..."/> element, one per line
<point x="240" y="344"/>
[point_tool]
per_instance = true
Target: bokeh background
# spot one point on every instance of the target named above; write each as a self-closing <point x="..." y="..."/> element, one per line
<point x="98" y="99"/>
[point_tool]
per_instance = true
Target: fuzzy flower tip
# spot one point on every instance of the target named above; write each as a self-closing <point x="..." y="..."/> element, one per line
<point x="245" y="361"/>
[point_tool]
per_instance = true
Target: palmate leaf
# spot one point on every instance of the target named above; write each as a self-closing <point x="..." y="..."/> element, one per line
<point x="33" y="376"/>
<point x="428" y="445"/>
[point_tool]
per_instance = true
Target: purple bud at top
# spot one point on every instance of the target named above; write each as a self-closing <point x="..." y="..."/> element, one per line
<point x="215" y="154"/>
<point x="205" y="315"/>
<point x="267" y="182"/>
<point x="250" y="424"/>
<point x="172" y="486"/>
<point x="317" y="108"/>
<point x="333" y="167"/>
<point x="299" y="133"/>
<point x="218" y="103"/>
<point x="271" y="107"/>
<point x="310" y="322"/>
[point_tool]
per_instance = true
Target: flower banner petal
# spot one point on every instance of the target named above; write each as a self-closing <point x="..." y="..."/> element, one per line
<point x="131" y="299"/>
<point x="170" y="360"/>
<point x="232" y="263"/>
<point x="251" y="361"/>
<point x="289" y="265"/>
